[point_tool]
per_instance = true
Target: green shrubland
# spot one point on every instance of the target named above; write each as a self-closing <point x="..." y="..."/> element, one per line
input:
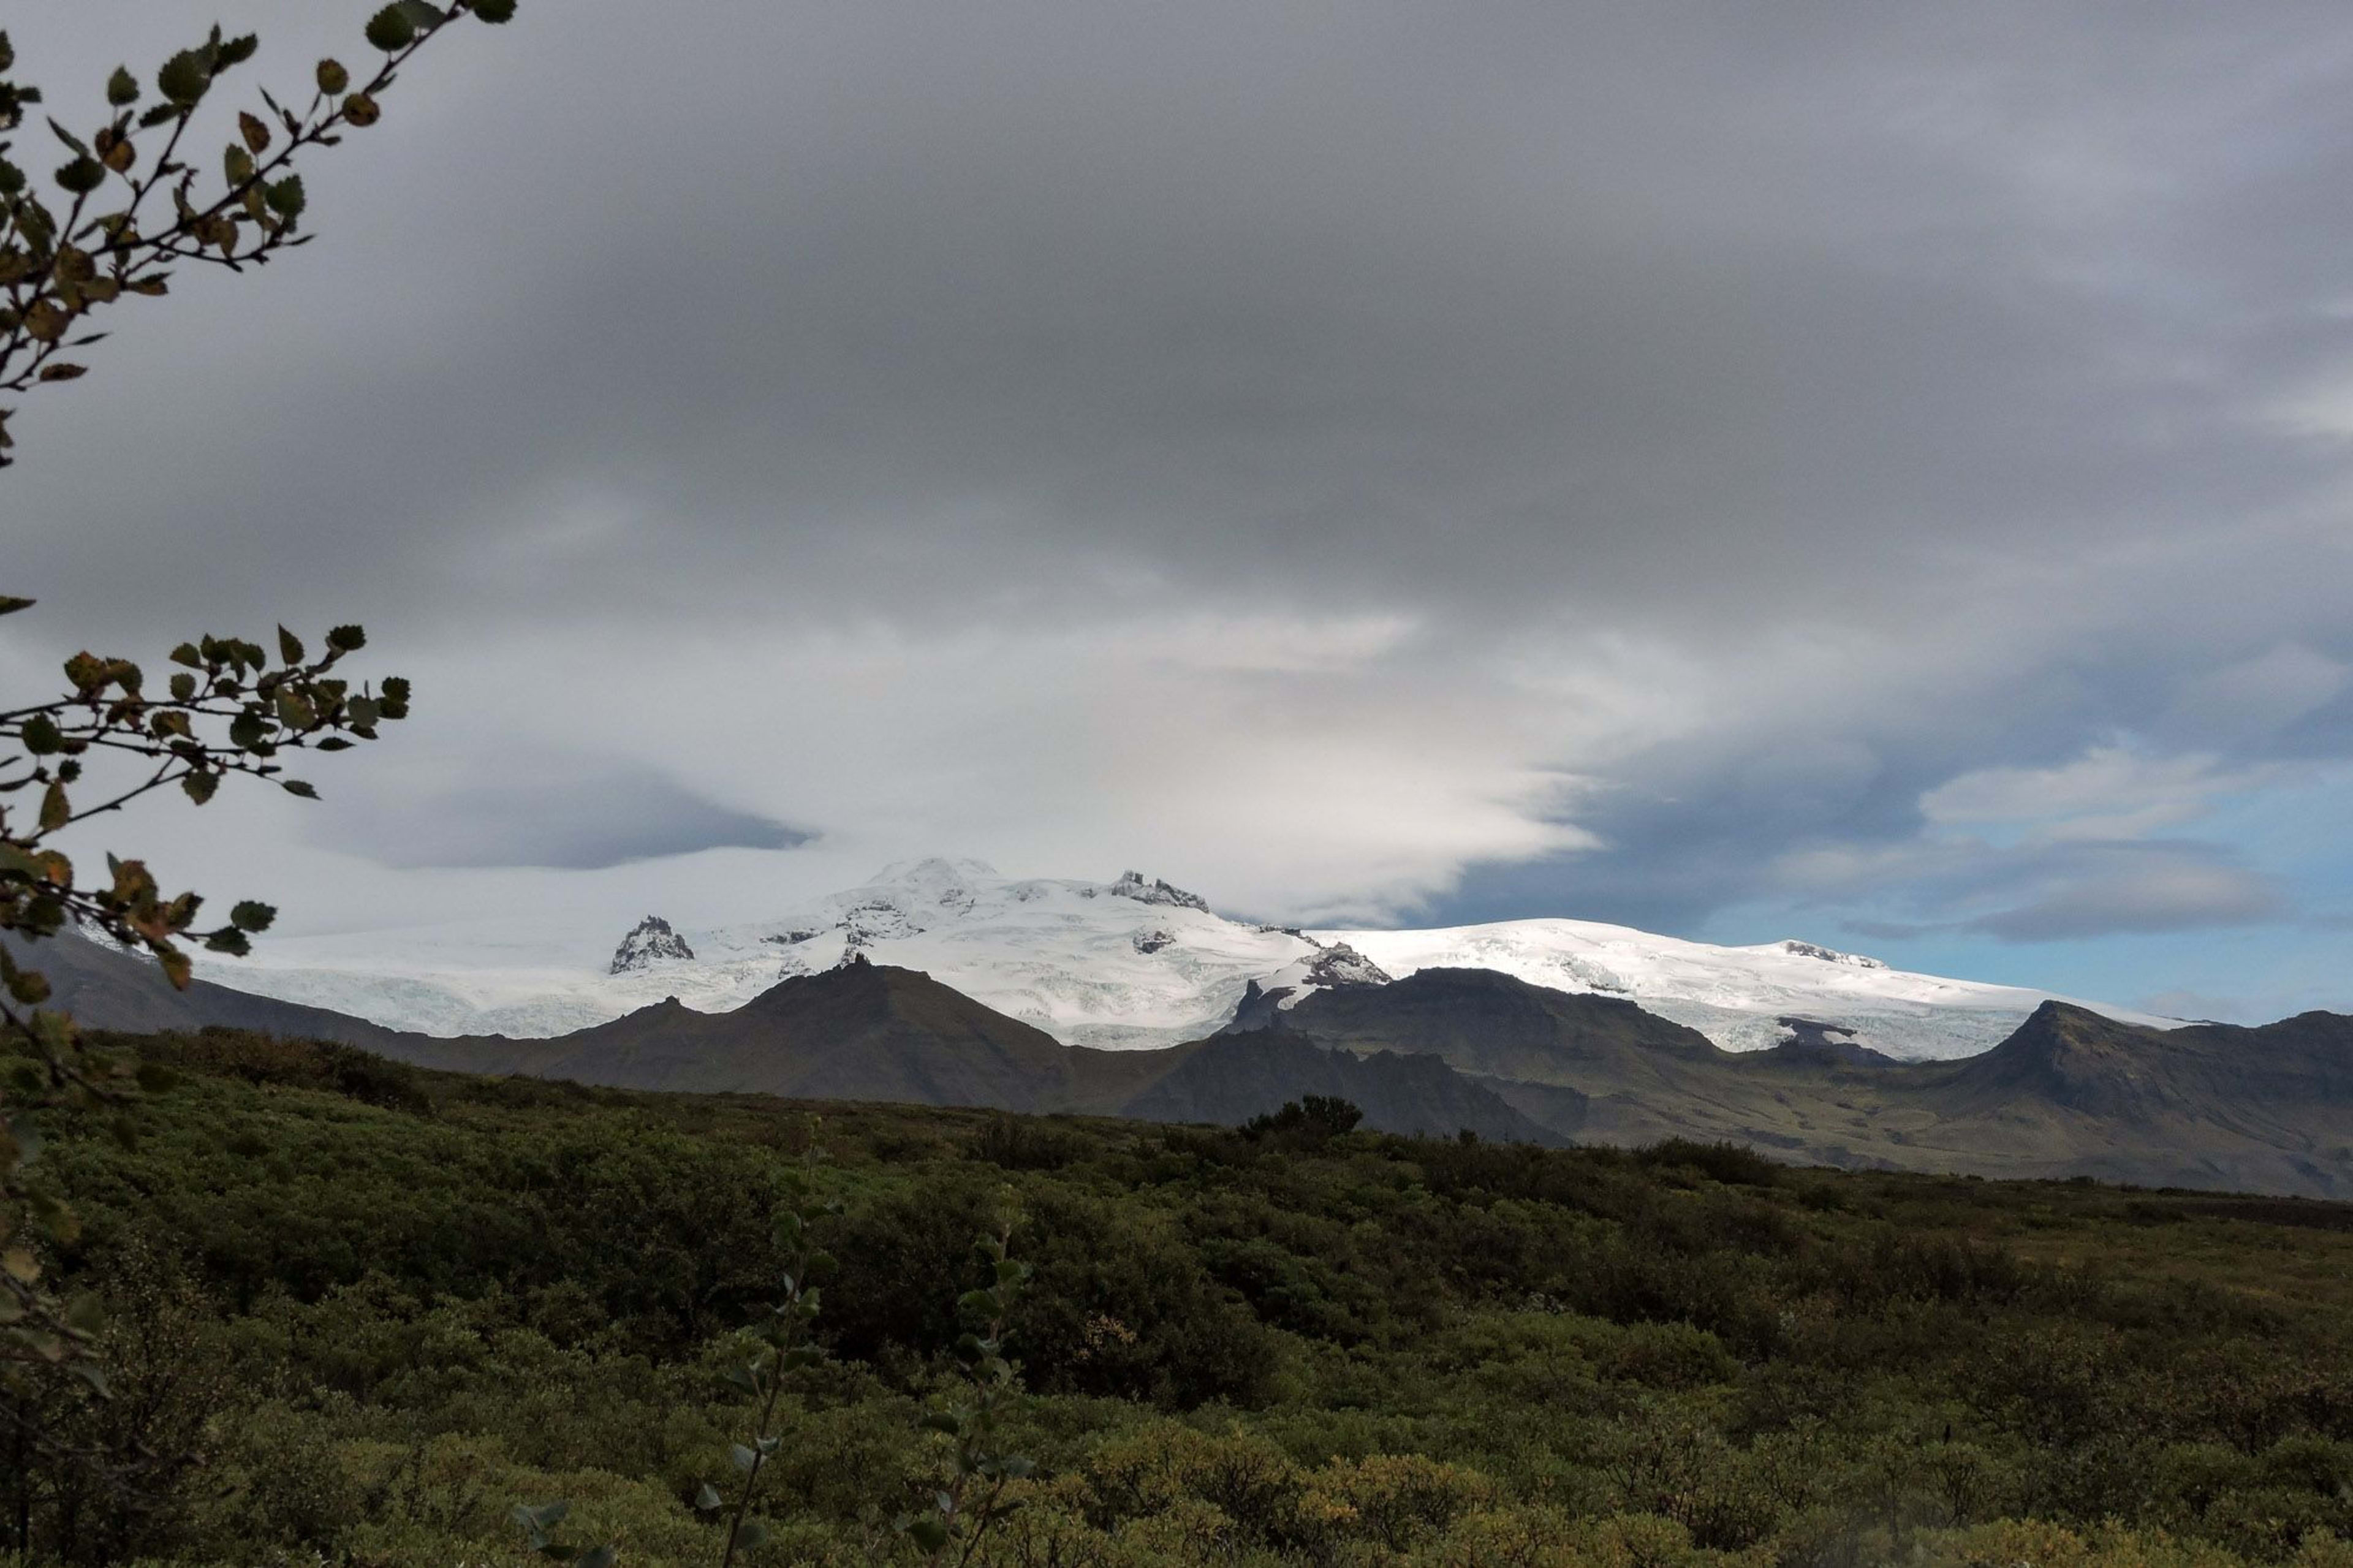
<point x="358" y="1312"/>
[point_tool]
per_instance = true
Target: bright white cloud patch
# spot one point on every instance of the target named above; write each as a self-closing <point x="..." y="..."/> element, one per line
<point x="2110" y="792"/>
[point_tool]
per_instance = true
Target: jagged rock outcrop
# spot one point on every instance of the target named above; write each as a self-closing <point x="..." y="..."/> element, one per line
<point x="1131" y="884"/>
<point x="1338" y="965"/>
<point x="1797" y="949"/>
<point x="1331" y="966"/>
<point x="652" y="939"/>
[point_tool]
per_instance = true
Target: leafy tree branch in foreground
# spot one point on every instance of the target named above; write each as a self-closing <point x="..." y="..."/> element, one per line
<point x="132" y="201"/>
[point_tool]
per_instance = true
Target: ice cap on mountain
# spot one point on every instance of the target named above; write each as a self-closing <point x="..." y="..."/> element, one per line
<point x="1094" y="968"/>
<point x="933" y="871"/>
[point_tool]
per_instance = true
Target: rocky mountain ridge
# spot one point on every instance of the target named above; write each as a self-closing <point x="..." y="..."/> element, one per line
<point x="2068" y="1093"/>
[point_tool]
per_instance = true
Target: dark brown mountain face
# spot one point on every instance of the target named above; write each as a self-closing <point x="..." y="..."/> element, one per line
<point x="2097" y="1067"/>
<point x="2070" y="1093"/>
<point x="871" y="1032"/>
<point x="1232" y="1077"/>
<point x="1479" y="1021"/>
<point x="862" y="1031"/>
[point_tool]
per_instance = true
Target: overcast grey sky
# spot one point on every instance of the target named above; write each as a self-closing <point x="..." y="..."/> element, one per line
<point x="1871" y="471"/>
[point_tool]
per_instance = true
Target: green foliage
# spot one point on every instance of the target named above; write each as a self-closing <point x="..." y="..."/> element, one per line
<point x="229" y="710"/>
<point x="538" y="1525"/>
<point x="1732" y="1163"/>
<point x="409" y="1299"/>
<point x="1317" y="1119"/>
<point x="1120" y="1307"/>
<point x="788" y="1331"/>
<point x="109" y="1466"/>
<point x="292" y="1064"/>
<point x="957" y="1518"/>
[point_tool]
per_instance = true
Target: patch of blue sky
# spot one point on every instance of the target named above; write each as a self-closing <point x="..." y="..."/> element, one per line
<point x="2290" y="831"/>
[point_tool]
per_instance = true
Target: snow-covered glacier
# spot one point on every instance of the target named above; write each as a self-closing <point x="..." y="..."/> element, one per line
<point x="1126" y="963"/>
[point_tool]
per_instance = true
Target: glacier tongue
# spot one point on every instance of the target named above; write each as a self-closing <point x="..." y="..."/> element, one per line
<point x="1131" y="963"/>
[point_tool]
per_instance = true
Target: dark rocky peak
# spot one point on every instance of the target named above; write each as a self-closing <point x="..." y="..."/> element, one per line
<point x="1131" y="884"/>
<point x="857" y="980"/>
<point x="1489" y="985"/>
<point x="2134" y="1076"/>
<point x="2074" y="1058"/>
<point x="2057" y="1032"/>
<point x="1452" y="999"/>
<point x="651" y="941"/>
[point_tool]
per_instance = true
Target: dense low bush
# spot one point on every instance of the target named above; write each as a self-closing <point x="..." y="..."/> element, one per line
<point x="360" y="1312"/>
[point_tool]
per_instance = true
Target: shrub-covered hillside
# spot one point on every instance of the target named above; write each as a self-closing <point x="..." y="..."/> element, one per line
<point x="360" y="1312"/>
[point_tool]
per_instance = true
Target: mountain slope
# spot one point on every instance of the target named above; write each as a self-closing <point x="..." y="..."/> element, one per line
<point x="106" y="988"/>
<point x="1232" y="1077"/>
<point x="871" y="1032"/>
<point x="2210" y="1105"/>
<point x="1133" y="963"/>
<point x="2069" y="1093"/>
<point x="1622" y="1074"/>
<point x="1499" y="1026"/>
<point x="862" y="1031"/>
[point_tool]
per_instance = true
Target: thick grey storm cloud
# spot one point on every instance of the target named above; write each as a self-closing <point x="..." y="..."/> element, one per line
<point x="556" y="812"/>
<point x="1623" y="462"/>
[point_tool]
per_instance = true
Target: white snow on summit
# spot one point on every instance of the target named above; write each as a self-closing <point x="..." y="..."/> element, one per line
<point x="1737" y="996"/>
<point x="1128" y="963"/>
<point x="1131" y="963"/>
